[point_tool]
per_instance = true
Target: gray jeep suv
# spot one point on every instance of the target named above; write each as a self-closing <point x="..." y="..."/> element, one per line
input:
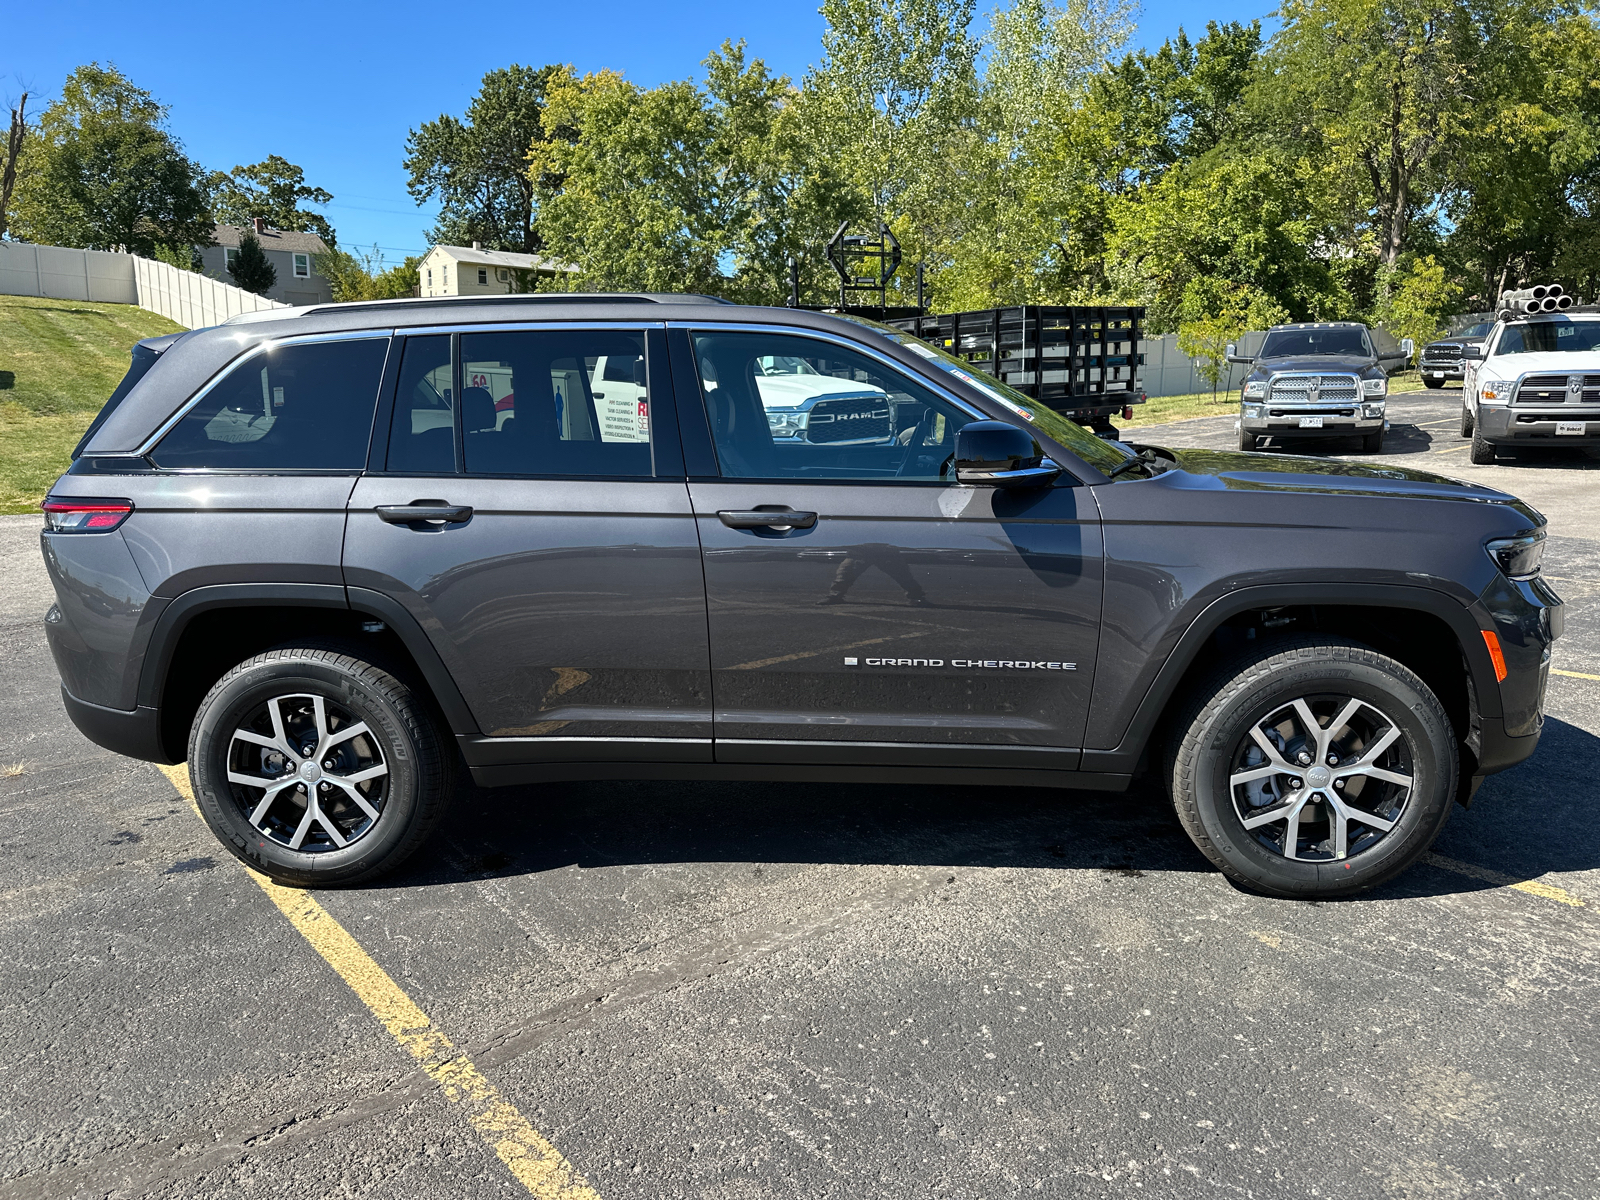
<point x="335" y="556"/>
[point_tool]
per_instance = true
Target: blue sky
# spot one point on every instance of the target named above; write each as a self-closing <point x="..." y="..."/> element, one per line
<point x="336" y="86"/>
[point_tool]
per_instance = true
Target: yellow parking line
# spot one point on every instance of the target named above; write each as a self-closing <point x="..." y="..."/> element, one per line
<point x="1448" y="449"/>
<point x="1500" y="879"/>
<point x="527" y="1154"/>
<point x="1575" y="675"/>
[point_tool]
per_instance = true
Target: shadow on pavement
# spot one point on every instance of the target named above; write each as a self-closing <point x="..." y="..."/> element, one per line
<point x="1530" y="821"/>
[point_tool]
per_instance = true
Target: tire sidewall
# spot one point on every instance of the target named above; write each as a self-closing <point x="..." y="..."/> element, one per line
<point x="1430" y="744"/>
<point x="225" y="710"/>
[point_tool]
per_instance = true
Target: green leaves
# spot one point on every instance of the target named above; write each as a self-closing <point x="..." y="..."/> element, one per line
<point x="273" y="190"/>
<point x="250" y="268"/>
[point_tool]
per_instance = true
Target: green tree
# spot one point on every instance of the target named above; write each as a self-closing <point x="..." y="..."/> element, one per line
<point x="250" y="268"/>
<point x="362" y="275"/>
<point x="478" y="167"/>
<point x="272" y="190"/>
<point x="1415" y="296"/>
<point x="1215" y="313"/>
<point x="104" y="173"/>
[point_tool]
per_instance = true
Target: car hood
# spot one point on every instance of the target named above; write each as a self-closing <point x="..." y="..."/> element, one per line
<point x="1331" y="363"/>
<point x="1246" y="471"/>
<point x="795" y="391"/>
<point x="1561" y="362"/>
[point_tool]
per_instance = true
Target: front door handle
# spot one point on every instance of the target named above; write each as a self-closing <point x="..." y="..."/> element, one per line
<point x="767" y="518"/>
<point x="432" y="511"/>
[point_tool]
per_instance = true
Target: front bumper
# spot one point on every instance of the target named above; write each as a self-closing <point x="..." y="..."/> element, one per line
<point x="1443" y="371"/>
<point x="1507" y="423"/>
<point x="1527" y="617"/>
<point x="1288" y="424"/>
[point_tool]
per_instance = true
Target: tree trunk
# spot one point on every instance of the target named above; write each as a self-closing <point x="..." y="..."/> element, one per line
<point x="8" y="180"/>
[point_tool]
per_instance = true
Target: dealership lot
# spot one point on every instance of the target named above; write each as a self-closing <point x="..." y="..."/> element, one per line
<point x="739" y="990"/>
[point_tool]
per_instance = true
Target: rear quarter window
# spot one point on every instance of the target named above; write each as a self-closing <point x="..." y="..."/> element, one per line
<point x="298" y="407"/>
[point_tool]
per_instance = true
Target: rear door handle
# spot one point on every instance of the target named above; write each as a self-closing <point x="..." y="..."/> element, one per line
<point x="767" y="518"/>
<point x="432" y="511"/>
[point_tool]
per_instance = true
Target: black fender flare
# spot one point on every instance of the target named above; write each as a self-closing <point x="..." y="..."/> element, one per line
<point x="175" y="616"/>
<point x="1468" y="632"/>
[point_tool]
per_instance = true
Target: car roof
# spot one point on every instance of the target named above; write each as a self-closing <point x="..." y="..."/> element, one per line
<point x="1319" y="325"/>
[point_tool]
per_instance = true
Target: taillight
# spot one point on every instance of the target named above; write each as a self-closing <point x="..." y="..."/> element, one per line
<point x="84" y="516"/>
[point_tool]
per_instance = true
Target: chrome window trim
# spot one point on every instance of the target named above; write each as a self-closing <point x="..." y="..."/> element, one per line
<point x="263" y="347"/>
<point x="521" y="327"/>
<point x="838" y="340"/>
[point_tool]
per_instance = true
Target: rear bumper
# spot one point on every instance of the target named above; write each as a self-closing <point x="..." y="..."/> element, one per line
<point x="1505" y="424"/>
<point x="136" y="734"/>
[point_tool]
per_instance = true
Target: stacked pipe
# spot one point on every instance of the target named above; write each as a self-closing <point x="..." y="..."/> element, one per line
<point x="1544" y="297"/>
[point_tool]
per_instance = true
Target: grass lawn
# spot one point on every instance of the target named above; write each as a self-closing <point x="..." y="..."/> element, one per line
<point x="59" y="360"/>
<point x="1158" y="410"/>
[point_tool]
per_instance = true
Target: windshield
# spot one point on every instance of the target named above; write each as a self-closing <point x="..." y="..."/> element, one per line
<point x="783" y="364"/>
<point x="1545" y="337"/>
<point x="1093" y="450"/>
<point x="1297" y="343"/>
<point x="1481" y="329"/>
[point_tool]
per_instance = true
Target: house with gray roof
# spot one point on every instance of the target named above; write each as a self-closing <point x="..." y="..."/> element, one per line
<point x="291" y="255"/>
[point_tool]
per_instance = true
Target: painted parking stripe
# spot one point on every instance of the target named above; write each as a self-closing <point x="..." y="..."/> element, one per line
<point x="1501" y="879"/>
<point x="1575" y="674"/>
<point x="527" y="1153"/>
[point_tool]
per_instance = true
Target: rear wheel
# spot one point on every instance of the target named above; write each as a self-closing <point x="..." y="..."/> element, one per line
<point x="1314" y="769"/>
<point x="1482" y="452"/>
<point x="1466" y="418"/>
<point x="317" y="768"/>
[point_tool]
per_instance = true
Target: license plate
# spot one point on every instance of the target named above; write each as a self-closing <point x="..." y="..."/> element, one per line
<point x="1436" y="374"/>
<point x="1310" y="422"/>
<point x="1570" y="428"/>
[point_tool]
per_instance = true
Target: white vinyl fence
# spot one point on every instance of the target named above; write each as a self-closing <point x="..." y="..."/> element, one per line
<point x="191" y="300"/>
<point x="1168" y="371"/>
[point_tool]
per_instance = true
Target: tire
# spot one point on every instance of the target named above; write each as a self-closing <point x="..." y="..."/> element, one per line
<point x="1247" y="441"/>
<point x="1482" y="452"/>
<point x="1214" y="742"/>
<point x="1431" y="384"/>
<point x="1372" y="443"/>
<point x="400" y="765"/>
<point x="1466" y="418"/>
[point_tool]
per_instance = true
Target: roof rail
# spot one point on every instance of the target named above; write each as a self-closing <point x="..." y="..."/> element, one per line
<point x="532" y="298"/>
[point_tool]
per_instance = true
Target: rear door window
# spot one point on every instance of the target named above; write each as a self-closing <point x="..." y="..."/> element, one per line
<point x="569" y="403"/>
<point x="422" y="438"/>
<point x="306" y="406"/>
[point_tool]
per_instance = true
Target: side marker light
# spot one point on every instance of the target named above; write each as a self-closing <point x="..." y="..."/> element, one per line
<point x="1491" y="639"/>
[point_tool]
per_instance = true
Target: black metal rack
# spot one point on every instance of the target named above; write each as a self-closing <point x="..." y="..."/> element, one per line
<point x="1081" y="360"/>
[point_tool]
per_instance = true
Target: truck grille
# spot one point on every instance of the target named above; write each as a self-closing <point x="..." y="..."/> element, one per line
<point x="1442" y="354"/>
<point x="1557" y="389"/>
<point x="1314" y="389"/>
<point x="850" y="419"/>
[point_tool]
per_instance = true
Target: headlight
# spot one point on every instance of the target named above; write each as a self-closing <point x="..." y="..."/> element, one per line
<point x="1256" y="388"/>
<point x="1375" y="387"/>
<point x="1518" y="557"/>
<point x="787" y="424"/>
<point x="1496" y="391"/>
<point x="1252" y="411"/>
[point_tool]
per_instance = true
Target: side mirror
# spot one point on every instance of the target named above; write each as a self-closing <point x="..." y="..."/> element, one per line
<point x="1407" y="347"/>
<point x="1232" y="355"/>
<point x="1472" y="352"/>
<point x="995" y="454"/>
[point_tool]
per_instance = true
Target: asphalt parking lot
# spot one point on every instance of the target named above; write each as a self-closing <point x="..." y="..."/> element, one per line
<point x="739" y="991"/>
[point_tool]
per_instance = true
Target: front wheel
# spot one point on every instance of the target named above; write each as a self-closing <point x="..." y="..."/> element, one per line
<point x="1466" y="419"/>
<point x="1482" y="452"/>
<point x="1247" y="440"/>
<point x="316" y="768"/>
<point x="1314" y="769"/>
<point x="1372" y="443"/>
<point x="1431" y="384"/>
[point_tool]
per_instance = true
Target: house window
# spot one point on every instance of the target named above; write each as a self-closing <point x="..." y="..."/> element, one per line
<point x="483" y="275"/>
<point x="302" y="266"/>
<point x="503" y="275"/>
<point x="430" y="277"/>
<point x="228" y="255"/>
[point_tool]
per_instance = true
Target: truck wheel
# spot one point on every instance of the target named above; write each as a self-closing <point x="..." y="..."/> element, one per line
<point x="1482" y="452"/>
<point x="1466" y="418"/>
<point x="1314" y="768"/>
<point x="316" y="768"/>
<point x="1372" y="443"/>
<point x="1430" y="384"/>
<point x="1247" y="441"/>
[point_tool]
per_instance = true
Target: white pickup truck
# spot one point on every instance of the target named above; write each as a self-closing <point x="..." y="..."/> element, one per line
<point x="1534" y="382"/>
